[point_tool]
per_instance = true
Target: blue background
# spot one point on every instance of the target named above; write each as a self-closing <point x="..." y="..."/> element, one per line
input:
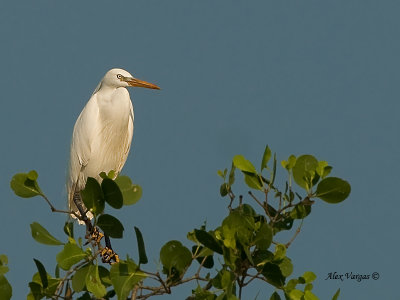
<point x="318" y="77"/>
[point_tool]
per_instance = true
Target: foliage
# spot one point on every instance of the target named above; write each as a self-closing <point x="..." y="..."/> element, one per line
<point x="5" y="287"/>
<point x="246" y="244"/>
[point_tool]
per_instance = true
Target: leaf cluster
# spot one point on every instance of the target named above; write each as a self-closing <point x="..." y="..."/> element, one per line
<point x="244" y="248"/>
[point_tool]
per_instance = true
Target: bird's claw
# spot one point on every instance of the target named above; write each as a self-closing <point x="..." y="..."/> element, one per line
<point x="109" y="256"/>
<point x="95" y="236"/>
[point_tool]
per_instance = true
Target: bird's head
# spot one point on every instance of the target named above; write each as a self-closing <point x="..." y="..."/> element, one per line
<point x="122" y="78"/>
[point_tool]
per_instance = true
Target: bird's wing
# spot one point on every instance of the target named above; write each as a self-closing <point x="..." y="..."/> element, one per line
<point x="128" y="140"/>
<point x="84" y="131"/>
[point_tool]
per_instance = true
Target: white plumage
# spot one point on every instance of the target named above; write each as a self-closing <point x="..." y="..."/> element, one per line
<point x="103" y="132"/>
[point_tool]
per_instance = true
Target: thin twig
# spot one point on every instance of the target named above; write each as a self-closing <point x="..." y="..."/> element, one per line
<point x="258" y="201"/>
<point x="53" y="209"/>
<point x="72" y="270"/>
<point x="163" y="290"/>
<point x="295" y="235"/>
<point x="252" y="277"/>
<point x="232" y="196"/>
<point x="201" y="265"/>
<point x="266" y="202"/>
<point x="134" y="292"/>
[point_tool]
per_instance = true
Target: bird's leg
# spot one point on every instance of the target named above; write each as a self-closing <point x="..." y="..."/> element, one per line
<point x="107" y="254"/>
<point x="93" y="234"/>
<point x="78" y="204"/>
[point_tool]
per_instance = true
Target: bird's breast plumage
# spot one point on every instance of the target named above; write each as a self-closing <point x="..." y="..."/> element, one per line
<point x="102" y="136"/>
<point x="110" y="146"/>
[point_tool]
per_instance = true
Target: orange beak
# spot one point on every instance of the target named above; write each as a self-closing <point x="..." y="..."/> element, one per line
<point x="140" y="83"/>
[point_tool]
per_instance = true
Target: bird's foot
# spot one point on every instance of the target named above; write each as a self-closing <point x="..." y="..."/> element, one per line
<point x="95" y="235"/>
<point x="109" y="256"/>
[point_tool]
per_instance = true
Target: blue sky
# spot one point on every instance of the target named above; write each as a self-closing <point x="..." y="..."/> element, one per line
<point x="304" y="77"/>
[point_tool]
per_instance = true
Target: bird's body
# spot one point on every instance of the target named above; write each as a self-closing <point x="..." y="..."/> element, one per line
<point x="103" y="132"/>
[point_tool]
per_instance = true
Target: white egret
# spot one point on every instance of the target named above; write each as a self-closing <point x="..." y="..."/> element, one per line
<point x="102" y="133"/>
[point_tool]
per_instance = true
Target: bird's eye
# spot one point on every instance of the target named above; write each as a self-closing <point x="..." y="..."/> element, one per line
<point x="119" y="76"/>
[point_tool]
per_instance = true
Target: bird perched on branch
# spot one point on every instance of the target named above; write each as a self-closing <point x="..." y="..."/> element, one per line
<point x="102" y="133"/>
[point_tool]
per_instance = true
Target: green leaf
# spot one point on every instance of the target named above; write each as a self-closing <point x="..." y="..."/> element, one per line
<point x="273" y="175"/>
<point x="300" y="211"/>
<point x="36" y="290"/>
<point x="253" y="181"/>
<point x="124" y="276"/>
<point x="3" y="262"/>
<point x="321" y="166"/>
<point x="296" y="294"/>
<point x="308" y="295"/>
<point x="243" y="164"/>
<point x="93" y="282"/>
<point x="111" y="226"/>
<point x="92" y="196"/>
<point x="286" y="267"/>
<point x="308" y="287"/>
<point x="70" y="255"/>
<point x="263" y="238"/>
<point x="273" y="275"/>
<point x="57" y="271"/>
<point x="261" y="257"/>
<point x="79" y="279"/>
<point x="3" y="270"/>
<point x="208" y="240"/>
<point x="223" y="190"/>
<point x="335" y="297"/>
<point x="280" y="252"/>
<point x="309" y="277"/>
<point x="201" y="294"/>
<point x="41" y="235"/>
<point x="333" y="190"/>
<point x="285" y="224"/>
<point x="290" y="163"/>
<point x="25" y="185"/>
<point x="224" y="280"/>
<point x="237" y="227"/>
<point x="175" y="256"/>
<point x="3" y="259"/>
<point x="112" y="193"/>
<point x="5" y="288"/>
<point x="105" y="276"/>
<point x="203" y="253"/>
<point x="69" y="228"/>
<point x="131" y="193"/>
<point x="323" y="169"/>
<point x="327" y="171"/>
<point x="304" y="169"/>
<point x="275" y="296"/>
<point x="51" y="289"/>
<point x="42" y="273"/>
<point x="85" y="296"/>
<point x="192" y="237"/>
<point x="231" y="179"/>
<point x="33" y="175"/>
<point x="142" y="251"/>
<point x="110" y="175"/>
<point x="266" y="158"/>
<point x="291" y="285"/>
